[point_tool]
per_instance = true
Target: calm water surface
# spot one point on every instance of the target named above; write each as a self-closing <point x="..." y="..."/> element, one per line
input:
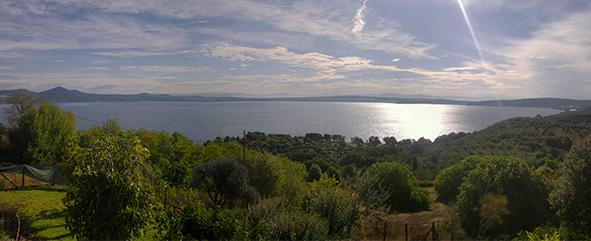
<point x="201" y="121"/>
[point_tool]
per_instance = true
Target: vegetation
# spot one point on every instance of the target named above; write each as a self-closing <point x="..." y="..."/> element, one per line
<point x="124" y="184"/>
<point x="110" y="187"/>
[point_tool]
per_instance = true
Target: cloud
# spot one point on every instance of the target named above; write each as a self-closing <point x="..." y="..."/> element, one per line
<point x="395" y="60"/>
<point x="134" y="54"/>
<point x="459" y="68"/>
<point x="358" y="21"/>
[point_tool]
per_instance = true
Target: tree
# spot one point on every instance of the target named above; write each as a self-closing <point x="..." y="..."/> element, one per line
<point x="374" y="141"/>
<point x="112" y="194"/>
<point x="19" y="102"/>
<point x="572" y="197"/>
<point x="390" y="140"/>
<point x="392" y="185"/>
<point x="42" y="135"/>
<point x="449" y="180"/>
<point x="502" y="196"/>
<point x="225" y="181"/>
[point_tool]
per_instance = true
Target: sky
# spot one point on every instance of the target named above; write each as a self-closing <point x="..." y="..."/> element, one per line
<point x="485" y="49"/>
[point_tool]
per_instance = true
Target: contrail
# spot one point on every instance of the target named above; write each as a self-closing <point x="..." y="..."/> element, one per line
<point x="358" y="20"/>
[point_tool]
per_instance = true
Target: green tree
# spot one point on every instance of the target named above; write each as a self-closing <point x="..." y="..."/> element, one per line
<point x="112" y="195"/>
<point x="225" y="181"/>
<point x="503" y="196"/>
<point x="572" y="197"/>
<point x="392" y="185"/>
<point x="42" y="135"/>
<point x="18" y="102"/>
<point x="449" y="180"/>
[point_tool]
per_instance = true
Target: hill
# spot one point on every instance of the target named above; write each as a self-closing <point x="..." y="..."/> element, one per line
<point x="61" y="95"/>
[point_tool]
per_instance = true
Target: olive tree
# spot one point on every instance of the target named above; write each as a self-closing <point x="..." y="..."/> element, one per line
<point x="225" y="181"/>
<point x="112" y="194"/>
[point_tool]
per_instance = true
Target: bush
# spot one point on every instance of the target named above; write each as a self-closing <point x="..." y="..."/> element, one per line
<point x="449" y="180"/>
<point x="110" y="187"/>
<point x="391" y="185"/>
<point x="201" y="223"/>
<point x="335" y="205"/>
<point x="502" y="196"/>
<point x="271" y="219"/>
<point x="10" y="222"/>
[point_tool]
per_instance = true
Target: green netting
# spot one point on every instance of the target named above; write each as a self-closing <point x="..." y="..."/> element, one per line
<point x="46" y="173"/>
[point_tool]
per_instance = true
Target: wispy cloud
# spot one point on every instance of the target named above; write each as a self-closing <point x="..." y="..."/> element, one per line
<point x="358" y="21"/>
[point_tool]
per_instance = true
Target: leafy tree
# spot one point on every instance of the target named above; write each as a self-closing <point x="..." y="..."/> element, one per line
<point x="18" y="102"/>
<point x="449" y="180"/>
<point x="225" y="181"/>
<point x="502" y="196"/>
<point x="374" y="141"/>
<point x="390" y="140"/>
<point x="42" y="135"/>
<point x="572" y="197"/>
<point x="314" y="173"/>
<point x="112" y="194"/>
<point x="392" y="185"/>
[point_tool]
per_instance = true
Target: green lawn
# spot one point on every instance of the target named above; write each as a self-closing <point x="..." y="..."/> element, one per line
<point x="43" y="208"/>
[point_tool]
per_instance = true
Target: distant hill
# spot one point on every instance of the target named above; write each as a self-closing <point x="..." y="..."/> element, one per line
<point x="61" y="95"/>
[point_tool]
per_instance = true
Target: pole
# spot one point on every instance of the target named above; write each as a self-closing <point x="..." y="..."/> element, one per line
<point x="23" y="180"/>
<point x="385" y="225"/>
<point x="244" y="147"/>
<point x="406" y="231"/>
<point x="434" y="234"/>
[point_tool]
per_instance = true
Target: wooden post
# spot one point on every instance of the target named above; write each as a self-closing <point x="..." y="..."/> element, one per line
<point x="385" y="225"/>
<point x="434" y="234"/>
<point x="452" y="236"/>
<point x="406" y="231"/>
<point x="23" y="180"/>
<point x="244" y="146"/>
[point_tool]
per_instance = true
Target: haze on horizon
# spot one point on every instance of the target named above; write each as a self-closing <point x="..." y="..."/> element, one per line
<point x="530" y="48"/>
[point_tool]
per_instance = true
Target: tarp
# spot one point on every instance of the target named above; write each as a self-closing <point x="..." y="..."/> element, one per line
<point x="46" y="173"/>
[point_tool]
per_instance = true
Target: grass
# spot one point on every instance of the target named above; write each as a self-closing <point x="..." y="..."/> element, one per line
<point x="41" y="206"/>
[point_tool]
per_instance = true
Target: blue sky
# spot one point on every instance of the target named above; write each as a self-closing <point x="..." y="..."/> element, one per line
<point x="517" y="49"/>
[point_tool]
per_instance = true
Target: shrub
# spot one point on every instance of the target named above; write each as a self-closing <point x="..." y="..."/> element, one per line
<point x="335" y="205"/>
<point x="393" y="186"/>
<point x="110" y="187"/>
<point x="201" y="223"/>
<point x="502" y="196"/>
<point x="271" y="219"/>
<point x="449" y="180"/>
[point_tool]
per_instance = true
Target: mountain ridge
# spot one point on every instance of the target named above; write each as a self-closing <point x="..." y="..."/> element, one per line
<point x="63" y="95"/>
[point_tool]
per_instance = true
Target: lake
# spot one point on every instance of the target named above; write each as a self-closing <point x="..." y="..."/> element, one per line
<point x="202" y="121"/>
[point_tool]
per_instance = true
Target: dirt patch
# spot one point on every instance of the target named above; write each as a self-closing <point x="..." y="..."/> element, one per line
<point x="418" y="224"/>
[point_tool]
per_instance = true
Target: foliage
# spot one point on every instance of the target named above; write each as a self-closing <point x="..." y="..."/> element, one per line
<point x="201" y="223"/>
<point x="42" y="135"/>
<point x="225" y="181"/>
<point x="502" y="196"/>
<point x="10" y="222"/>
<point x="392" y="185"/>
<point x="335" y="205"/>
<point x="272" y="219"/>
<point x="546" y="232"/>
<point x="18" y="102"/>
<point x="449" y="180"/>
<point x="110" y="188"/>
<point x="572" y="197"/>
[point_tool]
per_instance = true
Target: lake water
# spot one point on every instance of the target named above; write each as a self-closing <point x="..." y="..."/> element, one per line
<point x="202" y="121"/>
